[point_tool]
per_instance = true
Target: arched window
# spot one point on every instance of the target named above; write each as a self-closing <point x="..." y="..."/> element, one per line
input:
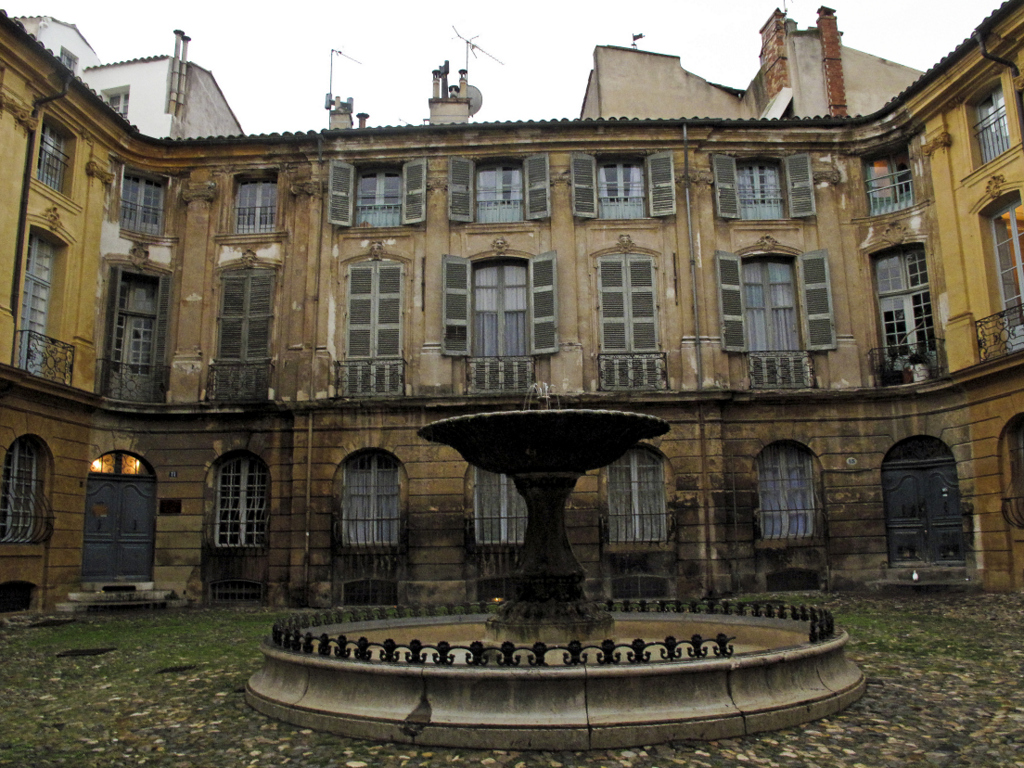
<point x="242" y="509"/>
<point x="785" y="488"/>
<point x="636" y="498"/>
<point x="370" y="505"/>
<point x="499" y="509"/>
<point x="23" y="511"/>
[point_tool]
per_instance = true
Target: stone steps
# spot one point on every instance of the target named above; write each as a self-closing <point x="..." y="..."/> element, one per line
<point x="120" y="596"/>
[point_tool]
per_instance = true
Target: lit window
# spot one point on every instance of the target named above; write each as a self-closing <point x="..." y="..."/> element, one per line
<point x="242" y="503"/>
<point x="142" y="204"/>
<point x="256" y="209"/>
<point x="888" y="182"/>
<point x="785" y="490"/>
<point x="636" y="498"/>
<point x="370" y="506"/>
<point x="379" y="199"/>
<point x="991" y="129"/>
<point x="499" y="509"/>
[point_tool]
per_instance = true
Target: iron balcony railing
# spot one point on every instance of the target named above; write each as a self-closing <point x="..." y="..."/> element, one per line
<point x="992" y="134"/>
<point x="760" y="205"/>
<point x="238" y="381"/>
<point x="53" y="166"/>
<point x="630" y="207"/>
<point x="379" y="215"/>
<point x="498" y="375"/>
<point x="1001" y="334"/>
<point x="257" y="218"/>
<point x="370" y="378"/>
<point x="789" y="369"/>
<point x="133" y="381"/>
<point x="892" y="192"/>
<point x="908" y="363"/>
<point x="632" y="371"/>
<point x="499" y="211"/>
<point x="147" y="219"/>
<point x="45" y="357"/>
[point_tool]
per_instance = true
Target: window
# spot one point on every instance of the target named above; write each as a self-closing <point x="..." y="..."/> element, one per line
<point x="498" y="192"/>
<point x="888" y="181"/>
<point x="370" y="505"/>
<point x="35" y="303"/>
<point x="1008" y="233"/>
<point x="770" y="305"/>
<point x="256" y="206"/>
<point x="499" y="309"/>
<point x="379" y="200"/>
<point x="785" y="489"/>
<point x="612" y="189"/>
<point x="68" y="59"/>
<point x="752" y="189"/>
<point x="118" y="101"/>
<point x="242" y="503"/>
<point x="53" y="158"/>
<point x="499" y="509"/>
<point x="242" y="370"/>
<point x="369" y="198"/>
<point x="137" y="329"/>
<point x="142" y="204"/>
<point x="904" y="300"/>
<point x="636" y="498"/>
<point x="630" y="356"/>
<point x="22" y="507"/>
<point x="374" y="354"/>
<point x="991" y="128"/>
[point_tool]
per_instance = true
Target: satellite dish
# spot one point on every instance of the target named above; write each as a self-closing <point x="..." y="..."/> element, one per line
<point x="476" y="99"/>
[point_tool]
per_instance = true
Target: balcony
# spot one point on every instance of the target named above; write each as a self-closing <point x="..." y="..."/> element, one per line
<point x="632" y="371"/>
<point x="892" y="192"/>
<point x="908" y="363"/>
<point x="780" y="370"/>
<point x="238" y="381"/>
<point x="370" y="378"/>
<point x="133" y="382"/>
<point x="499" y="375"/>
<point x="1001" y="334"/>
<point x="45" y="357"/>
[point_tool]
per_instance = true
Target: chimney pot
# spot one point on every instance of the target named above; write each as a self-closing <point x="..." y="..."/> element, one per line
<point x="362" y="119"/>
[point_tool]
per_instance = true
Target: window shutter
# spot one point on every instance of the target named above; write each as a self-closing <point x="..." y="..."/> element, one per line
<point x="456" y="273"/>
<point x="460" y="189"/>
<point x="730" y="293"/>
<point x="726" y="197"/>
<point x="260" y="311"/>
<point x="801" y="186"/>
<point x="114" y="289"/>
<point x="232" y="317"/>
<point x="342" y="189"/>
<point x="389" y="309"/>
<point x="414" y="191"/>
<point x="661" y="184"/>
<point x="360" y="311"/>
<point x="163" y="311"/>
<point x="583" y="173"/>
<point x="538" y="200"/>
<point x="614" y="331"/>
<point x="642" y="305"/>
<point x="544" y="307"/>
<point x="819" y="325"/>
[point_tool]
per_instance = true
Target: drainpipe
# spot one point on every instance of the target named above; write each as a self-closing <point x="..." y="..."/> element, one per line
<point x="26" y="183"/>
<point x="979" y="38"/>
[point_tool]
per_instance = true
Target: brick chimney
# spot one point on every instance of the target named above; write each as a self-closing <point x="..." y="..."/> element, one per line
<point x="832" y="61"/>
<point x="774" y="61"/>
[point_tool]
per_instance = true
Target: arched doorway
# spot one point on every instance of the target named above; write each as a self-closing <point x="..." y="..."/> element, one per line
<point x="120" y="514"/>
<point x="921" y="494"/>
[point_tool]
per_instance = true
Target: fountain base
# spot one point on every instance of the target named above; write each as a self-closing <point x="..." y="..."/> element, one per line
<point x="550" y="621"/>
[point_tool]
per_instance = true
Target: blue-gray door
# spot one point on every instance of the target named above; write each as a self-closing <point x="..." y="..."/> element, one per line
<point x="120" y="511"/>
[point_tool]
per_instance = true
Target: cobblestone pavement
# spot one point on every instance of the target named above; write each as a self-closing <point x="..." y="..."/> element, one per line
<point x="945" y="688"/>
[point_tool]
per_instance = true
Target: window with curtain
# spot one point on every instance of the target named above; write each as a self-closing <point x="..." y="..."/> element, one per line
<point x="379" y="199"/>
<point x="785" y="488"/>
<point x="499" y="510"/>
<point x="636" y="498"/>
<point x="620" y="191"/>
<point x="370" y="505"/>
<point x="500" y="301"/>
<point x="770" y="302"/>
<point x="256" y="206"/>
<point x="499" y="193"/>
<point x="142" y="204"/>
<point x="242" y="503"/>
<point x="759" y="186"/>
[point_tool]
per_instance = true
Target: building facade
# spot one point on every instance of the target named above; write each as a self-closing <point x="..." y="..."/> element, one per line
<point x="825" y="310"/>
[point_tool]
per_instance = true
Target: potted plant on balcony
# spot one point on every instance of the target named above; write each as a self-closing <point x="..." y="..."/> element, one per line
<point x="918" y="368"/>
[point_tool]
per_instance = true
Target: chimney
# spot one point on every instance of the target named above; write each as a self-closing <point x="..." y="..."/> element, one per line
<point x="774" y="61"/>
<point x="362" y="119"/>
<point x="832" y="61"/>
<point x="172" y="85"/>
<point x="182" y="71"/>
<point x="449" y="104"/>
<point x="341" y="114"/>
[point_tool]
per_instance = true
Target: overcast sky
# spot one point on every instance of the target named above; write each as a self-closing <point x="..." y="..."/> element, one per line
<point x="273" y="60"/>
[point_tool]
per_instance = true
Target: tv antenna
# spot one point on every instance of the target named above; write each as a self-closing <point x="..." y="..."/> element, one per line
<point x="472" y="47"/>
<point x="637" y="37"/>
<point x="330" y="85"/>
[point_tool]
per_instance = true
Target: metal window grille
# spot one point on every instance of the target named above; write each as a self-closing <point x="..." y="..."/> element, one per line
<point x="142" y="205"/>
<point x="24" y="514"/>
<point x="236" y="591"/>
<point x="991" y="130"/>
<point x="499" y="510"/>
<point x="499" y="374"/>
<point x="256" y="209"/>
<point x="780" y="370"/>
<point x="891" y="192"/>
<point x="370" y="513"/>
<point x="636" y="498"/>
<point x="371" y="592"/>
<point x="242" y="511"/>
<point x="1001" y="334"/>
<point x="371" y="378"/>
<point x="633" y="371"/>
<point x="785" y="490"/>
<point x="53" y="161"/>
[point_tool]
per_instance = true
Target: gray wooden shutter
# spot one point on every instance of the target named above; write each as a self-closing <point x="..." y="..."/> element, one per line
<point x="360" y="310"/>
<point x="726" y="197"/>
<point x="259" y="314"/>
<point x="160" y="332"/>
<point x="455" y="305"/>
<point x="642" y="305"/>
<point x="819" y="324"/>
<point x="801" y="186"/>
<point x="460" y="188"/>
<point x="113" y="310"/>
<point x="583" y="173"/>
<point x="414" y="191"/>
<point x="544" y="304"/>
<point x="389" y="309"/>
<point x="730" y="293"/>
<point x="232" y="317"/>
<point x="342" y="193"/>
<point x="661" y="184"/>
<point x="538" y="199"/>
<point x="614" y="326"/>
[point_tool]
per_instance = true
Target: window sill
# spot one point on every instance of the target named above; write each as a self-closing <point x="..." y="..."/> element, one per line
<point x="146" y="237"/>
<point x="806" y="541"/>
<point x="277" y="236"/>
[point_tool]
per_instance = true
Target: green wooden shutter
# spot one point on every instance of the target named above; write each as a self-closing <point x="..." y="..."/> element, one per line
<point x="259" y="314"/>
<point x="342" y="193"/>
<point x="801" y="186"/>
<point x="414" y="191"/>
<point x="389" y="309"/>
<point x="726" y="196"/>
<point x="360" y="310"/>
<point x="232" y="317"/>
<point x="538" y="199"/>
<point x="730" y="293"/>
<point x="460" y="188"/>
<point x="614" y="326"/>
<point x="583" y="173"/>
<point x="819" y="324"/>
<point x="544" y="304"/>
<point x="642" y="305"/>
<point x="661" y="184"/>
<point x="455" y="309"/>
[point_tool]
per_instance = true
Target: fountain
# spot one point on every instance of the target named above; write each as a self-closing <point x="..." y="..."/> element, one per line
<point x="579" y="682"/>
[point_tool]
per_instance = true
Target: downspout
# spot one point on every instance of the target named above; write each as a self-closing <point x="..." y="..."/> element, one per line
<point x="19" y="240"/>
<point x="979" y="38"/>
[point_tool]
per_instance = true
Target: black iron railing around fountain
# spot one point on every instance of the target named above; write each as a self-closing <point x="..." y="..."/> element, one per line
<point x="295" y="634"/>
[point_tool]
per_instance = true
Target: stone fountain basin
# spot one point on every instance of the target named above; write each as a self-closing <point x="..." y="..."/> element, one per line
<point x="776" y="679"/>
